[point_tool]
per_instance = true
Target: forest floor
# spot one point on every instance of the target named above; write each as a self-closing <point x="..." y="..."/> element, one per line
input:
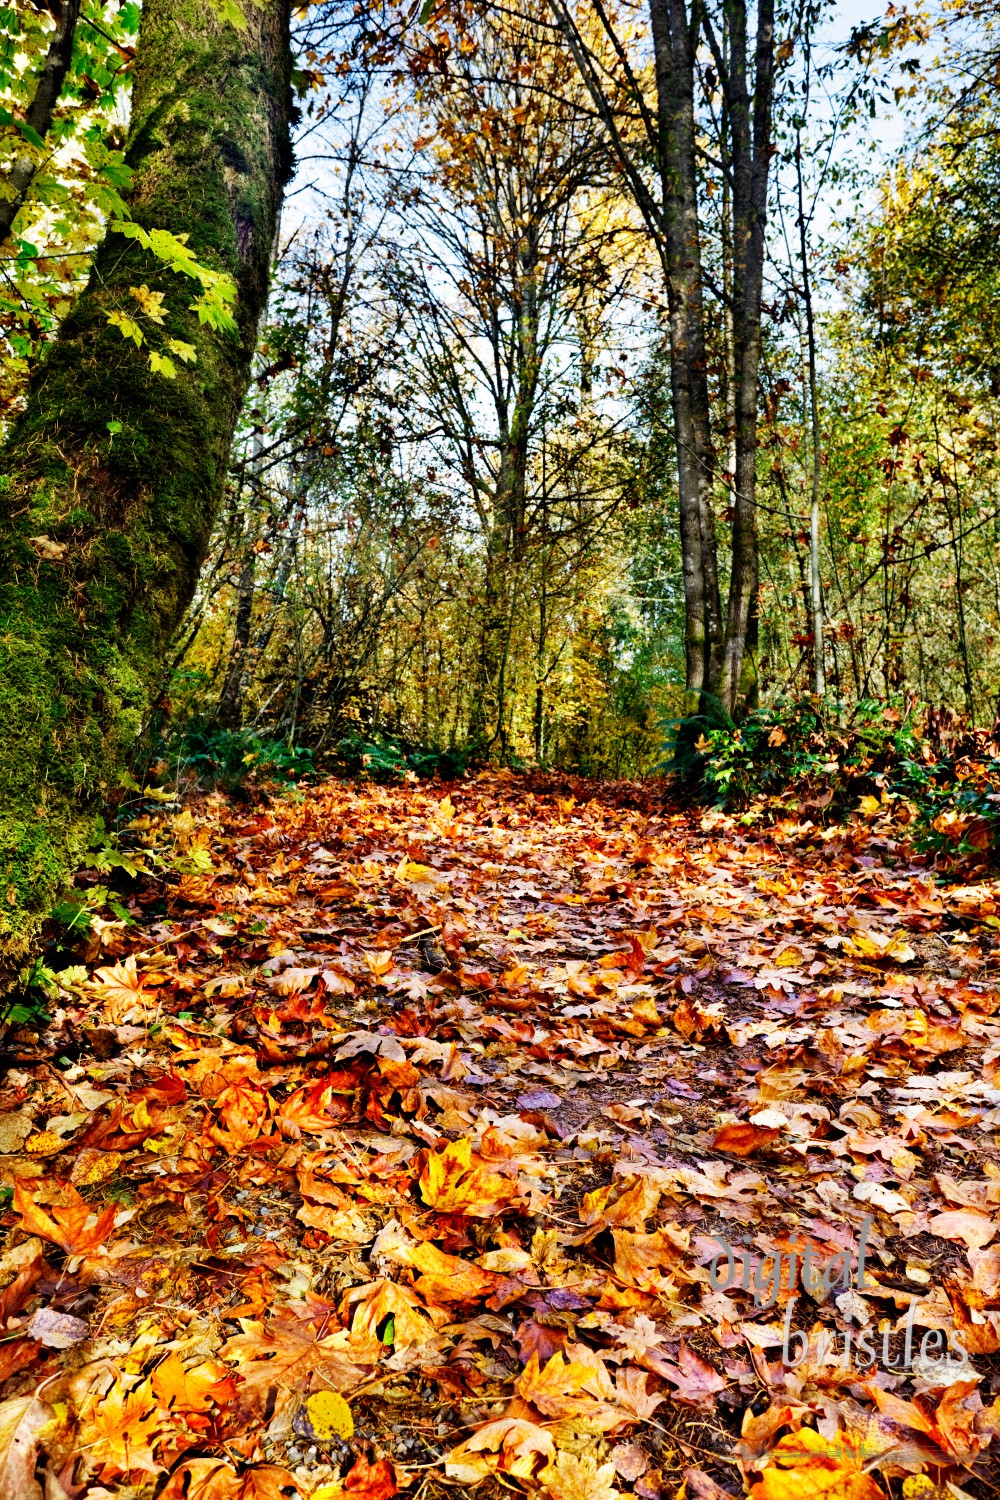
<point x="392" y="1140"/>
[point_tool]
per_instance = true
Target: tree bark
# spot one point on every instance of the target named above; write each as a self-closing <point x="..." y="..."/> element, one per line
<point x="103" y="529"/>
<point x="40" y="111"/>
<point x="507" y="542"/>
<point x="751" y="155"/>
<point x="815" y="577"/>
<point x="674" y="47"/>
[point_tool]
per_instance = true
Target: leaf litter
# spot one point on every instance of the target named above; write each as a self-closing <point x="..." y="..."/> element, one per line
<point x="393" y="1143"/>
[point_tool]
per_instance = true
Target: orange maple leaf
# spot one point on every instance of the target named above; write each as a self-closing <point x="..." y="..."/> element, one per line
<point x="214" y="1479"/>
<point x="69" y="1226"/>
<point x="242" y="1115"/>
<point x="121" y="987"/>
<point x="554" y="1389"/>
<point x="620" y="1207"/>
<point x="367" y="1481"/>
<point x="193" y="1390"/>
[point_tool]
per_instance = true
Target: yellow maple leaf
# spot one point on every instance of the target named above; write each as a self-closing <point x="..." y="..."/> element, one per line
<point x="621" y="1208"/>
<point x="451" y="1184"/>
<point x="554" y="1389"/>
<point x="806" y="1466"/>
<point x="390" y="1314"/>
<point x="151" y="303"/>
<point x="121" y="1431"/>
<point x="510" y="1445"/>
<point x="579" y="1478"/>
<point x="411" y="873"/>
<point x="379" y="962"/>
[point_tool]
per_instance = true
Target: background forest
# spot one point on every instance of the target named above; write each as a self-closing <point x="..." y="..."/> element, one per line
<point x="453" y="525"/>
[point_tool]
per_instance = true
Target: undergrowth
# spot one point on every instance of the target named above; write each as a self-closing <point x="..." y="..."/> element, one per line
<point x="808" y="756"/>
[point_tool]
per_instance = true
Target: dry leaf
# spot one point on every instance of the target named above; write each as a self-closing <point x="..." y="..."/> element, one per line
<point x="452" y="1184"/>
<point x="583" y="1478"/>
<point x="745" y="1139"/>
<point x="22" y="1419"/>
<point x="974" y="1230"/>
<point x="73" y="1225"/>
<point x="510" y="1445"/>
<point x="806" y="1466"/>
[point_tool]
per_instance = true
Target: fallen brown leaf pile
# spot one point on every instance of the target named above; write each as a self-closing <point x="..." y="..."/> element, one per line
<point x="386" y="1140"/>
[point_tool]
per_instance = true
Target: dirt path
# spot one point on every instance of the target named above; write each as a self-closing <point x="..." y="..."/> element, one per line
<point x="394" y="1140"/>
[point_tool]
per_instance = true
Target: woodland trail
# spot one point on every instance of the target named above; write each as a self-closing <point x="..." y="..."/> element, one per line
<point x="391" y="1140"/>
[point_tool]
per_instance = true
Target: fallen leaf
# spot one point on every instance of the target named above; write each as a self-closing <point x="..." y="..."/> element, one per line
<point x="583" y="1478"/>
<point x="509" y="1445"/>
<point x="329" y="1416"/>
<point x="214" y="1479"/>
<point x="745" y="1139"/>
<point x="974" y="1230"/>
<point x="191" y="1390"/>
<point x="554" y="1389"/>
<point x="882" y="1197"/>
<point x="286" y="1356"/>
<point x="371" y="1481"/>
<point x="451" y="1184"/>
<point x="56" y="1330"/>
<point x="121" y="1430"/>
<point x="72" y="1225"/>
<point x="21" y="1420"/>
<point x="806" y="1466"/>
<point x="694" y="1379"/>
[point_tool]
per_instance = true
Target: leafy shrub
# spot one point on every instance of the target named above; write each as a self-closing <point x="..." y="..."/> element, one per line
<point x="797" y="752"/>
<point x="794" y="749"/>
<point x="957" y="798"/>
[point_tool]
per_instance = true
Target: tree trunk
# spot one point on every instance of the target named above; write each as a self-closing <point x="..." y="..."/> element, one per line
<point x="507" y="542"/>
<point x="674" y="47"/>
<point x="815" y="576"/>
<point x="113" y="475"/>
<point x="751" y="156"/>
<point x="230" y="710"/>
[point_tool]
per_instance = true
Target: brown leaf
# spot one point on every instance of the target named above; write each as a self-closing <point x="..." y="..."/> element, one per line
<point x="695" y="1380"/>
<point x="286" y="1356"/>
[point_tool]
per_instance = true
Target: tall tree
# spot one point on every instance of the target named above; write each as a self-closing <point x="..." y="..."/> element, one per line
<point x="737" y="99"/>
<point x="113" y="475"/>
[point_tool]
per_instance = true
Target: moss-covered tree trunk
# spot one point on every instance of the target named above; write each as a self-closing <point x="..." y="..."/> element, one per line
<point x="111" y="480"/>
